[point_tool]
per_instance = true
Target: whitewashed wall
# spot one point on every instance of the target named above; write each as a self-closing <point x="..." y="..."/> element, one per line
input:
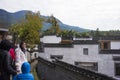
<point x="50" y="39"/>
<point x="106" y="64"/>
<point x="115" y="44"/>
<point x="75" y="54"/>
<point x="70" y="55"/>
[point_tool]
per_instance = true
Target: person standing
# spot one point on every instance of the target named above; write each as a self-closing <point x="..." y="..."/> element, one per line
<point x="12" y="54"/>
<point x="12" y="51"/>
<point x="20" y="56"/>
<point x="6" y="68"/>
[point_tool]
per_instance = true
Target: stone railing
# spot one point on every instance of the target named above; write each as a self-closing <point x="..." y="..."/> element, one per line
<point x="59" y="70"/>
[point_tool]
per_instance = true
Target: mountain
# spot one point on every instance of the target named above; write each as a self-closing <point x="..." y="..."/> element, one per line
<point x="7" y="19"/>
<point x="63" y="26"/>
<point x="18" y="16"/>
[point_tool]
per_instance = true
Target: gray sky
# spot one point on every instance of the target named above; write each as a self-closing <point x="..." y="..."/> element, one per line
<point x="89" y="14"/>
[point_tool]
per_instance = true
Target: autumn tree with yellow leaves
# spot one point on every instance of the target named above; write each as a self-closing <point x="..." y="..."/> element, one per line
<point x="29" y="29"/>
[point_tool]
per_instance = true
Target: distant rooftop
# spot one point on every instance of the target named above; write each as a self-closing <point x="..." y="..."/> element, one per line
<point x="85" y="42"/>
<point x="3" y="29"/>
<point x="58" y="45"/>
<point x="110" y="51"/>
<point x="107" y="38"/>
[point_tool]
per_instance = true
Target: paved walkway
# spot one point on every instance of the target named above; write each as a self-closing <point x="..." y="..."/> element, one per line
<point x="33" y="64"/>
<point x="33" y="69"/>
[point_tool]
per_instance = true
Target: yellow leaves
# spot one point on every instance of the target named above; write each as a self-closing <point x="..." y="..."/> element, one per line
<point x="29" y="29"/>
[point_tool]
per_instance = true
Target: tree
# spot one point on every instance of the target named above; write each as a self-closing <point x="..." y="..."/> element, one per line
<point x="97" y="32"/>
<point x="55" y="29"/>
<point x="29" y="29"/>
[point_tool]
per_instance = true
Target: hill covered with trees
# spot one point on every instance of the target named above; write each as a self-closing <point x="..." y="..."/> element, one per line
<point x="7" y="19"/>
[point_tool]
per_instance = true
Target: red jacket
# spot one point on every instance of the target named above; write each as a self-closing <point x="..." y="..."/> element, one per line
<point x="12" y="53"/>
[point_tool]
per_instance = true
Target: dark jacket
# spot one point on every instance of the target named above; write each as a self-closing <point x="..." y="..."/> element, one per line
<point x="6" y="65"/>
<point x="25" y="75"/>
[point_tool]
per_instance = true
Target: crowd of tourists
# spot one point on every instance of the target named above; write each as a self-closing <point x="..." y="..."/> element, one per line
<point x="13" y="61"/>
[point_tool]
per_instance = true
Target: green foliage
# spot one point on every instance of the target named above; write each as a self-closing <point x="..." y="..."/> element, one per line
<point x="28" y="30"/>
<point x="105" y="33"/>
<point x="85" y="34"/>
<point x="90" y="33"/>
<point x="55" y="29"/>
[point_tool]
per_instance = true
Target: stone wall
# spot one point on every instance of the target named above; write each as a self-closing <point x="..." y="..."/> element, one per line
<point x="59" y="70"/>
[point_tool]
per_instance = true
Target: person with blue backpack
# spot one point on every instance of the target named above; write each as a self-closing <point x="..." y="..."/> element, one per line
<point x="25" y="75"/>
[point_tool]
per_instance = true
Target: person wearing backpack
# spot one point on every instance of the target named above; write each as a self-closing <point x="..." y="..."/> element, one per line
<point x="6" y="68"/>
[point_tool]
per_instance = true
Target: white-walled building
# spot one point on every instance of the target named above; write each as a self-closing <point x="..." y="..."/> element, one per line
<point x="50" y="39"/>
<point x="101" y="54"/>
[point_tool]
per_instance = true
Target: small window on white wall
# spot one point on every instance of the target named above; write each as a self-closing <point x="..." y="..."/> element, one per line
<point x="85" y="51"/>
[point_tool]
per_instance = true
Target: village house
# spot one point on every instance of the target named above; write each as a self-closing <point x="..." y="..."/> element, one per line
<point x="101" y="54"/>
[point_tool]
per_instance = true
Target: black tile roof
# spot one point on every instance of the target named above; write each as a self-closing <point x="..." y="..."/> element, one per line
<point x="85" y="42"/>
<point x="107" y="38"/>
<point x="58" y="45"/>
<point x="115" y="51"/>
<point x="116" y="58"/>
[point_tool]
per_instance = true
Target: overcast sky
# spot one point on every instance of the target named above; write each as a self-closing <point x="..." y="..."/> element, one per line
<point x="89" y="14"/>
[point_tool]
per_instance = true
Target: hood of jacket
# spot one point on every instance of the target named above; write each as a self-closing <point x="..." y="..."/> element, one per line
<point x="25" y="68"/>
